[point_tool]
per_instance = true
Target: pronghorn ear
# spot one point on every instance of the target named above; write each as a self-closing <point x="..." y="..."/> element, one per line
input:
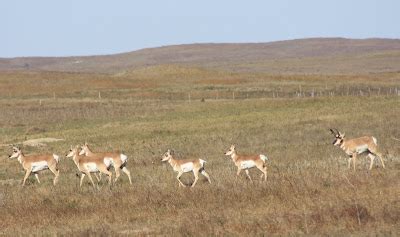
<point x="343" y="135"/>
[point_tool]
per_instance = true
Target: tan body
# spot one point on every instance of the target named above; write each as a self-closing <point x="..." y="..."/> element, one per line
<point x="187" y="165"/>
<point x="246" y="162"/>
<point x="356" y="146"/>
<point x="118" y="160"/>
<point x="87" y="165"/>
<point x="36" y="163"/>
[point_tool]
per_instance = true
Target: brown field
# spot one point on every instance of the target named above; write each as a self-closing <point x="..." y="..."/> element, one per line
<point x="145" y="111"/>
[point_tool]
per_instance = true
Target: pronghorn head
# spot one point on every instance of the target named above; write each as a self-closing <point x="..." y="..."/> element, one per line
<point x="15" y="153"/>
<point x="72" y="151"/>
<point x="230" y="151"/>
<point x="167" y="155"/>
<point x="84" y="149"/>
<point x="339" y="137"/>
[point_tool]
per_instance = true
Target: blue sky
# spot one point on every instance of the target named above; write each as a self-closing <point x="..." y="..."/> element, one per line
<point x="91" y="27"/>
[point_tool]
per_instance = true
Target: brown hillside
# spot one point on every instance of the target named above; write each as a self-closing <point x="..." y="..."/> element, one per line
<point x="316" y="55"/>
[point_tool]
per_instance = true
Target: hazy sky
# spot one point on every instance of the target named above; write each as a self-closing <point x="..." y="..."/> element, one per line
<point x="88" y="27"/>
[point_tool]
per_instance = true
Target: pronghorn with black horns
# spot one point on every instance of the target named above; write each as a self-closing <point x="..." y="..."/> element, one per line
<point x="33" y="164"/>
<point x="184" y="166"/>
<point x="246" y="162"/>
<point x="118" y="160"/>
<point x="356" y="146"/>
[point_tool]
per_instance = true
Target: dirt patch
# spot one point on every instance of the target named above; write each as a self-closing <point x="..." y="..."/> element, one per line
<point x="40" y="141"/>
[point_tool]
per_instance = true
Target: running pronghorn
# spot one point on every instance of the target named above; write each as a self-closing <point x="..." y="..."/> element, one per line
<point x="246" y="162"/>
<point x="356" y="146"/>
<point x="184" y="166"/>
<point x="90" y="164"/>
<point x="32" y="164"/>
<point x="118" y="160"/>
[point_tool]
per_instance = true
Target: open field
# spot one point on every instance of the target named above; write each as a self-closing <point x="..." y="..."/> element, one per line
<point x="309" y="189"/>
<point x="279" y="99"/>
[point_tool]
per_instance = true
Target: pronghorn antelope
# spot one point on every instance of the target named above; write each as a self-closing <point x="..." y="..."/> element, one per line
<point x="90" y="164"/>
<point x="353" y="147"/>
<point x="118" y="160"/>
<point x="35" y="163"/>
<point x="184" y="166"/>
<point x="246" y="162"/>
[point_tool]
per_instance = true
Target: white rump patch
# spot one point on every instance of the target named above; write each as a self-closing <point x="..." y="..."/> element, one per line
<point x="108" y="162"/>
<point x="38" y="166"/>
<point x="247" y="164"/>
<point x="202" y="162"/>
<point x="56" y="157"/>
<point x="124" y="158"/>
<point x="187" y="167"/>
<point x="263" y="157"/>
<point x="91" y="167"/>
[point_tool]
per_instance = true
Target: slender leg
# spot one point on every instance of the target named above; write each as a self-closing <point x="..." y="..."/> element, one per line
<point x="98" y="176"/>
<point x="349" y="163"/>
<point x="126" y="171"/>
<point x="56" y="172"/>
<point x="178" y="178"/>
<point x="380" y="158"/>
<point x="205" y="174"/>
<point x="248" y="175"/>
<point x="37" y="178"/>
<point x="103" y="169"/>
<point x="82" y="177"/>
<point x="372" y="157"/>
<point x="263" y="169"/>
<point x="265" y="173"/>
<point x="90" y="178"/>
<point x="117" y="173"/>
<point x="196" y="177"/>
<point x="28" y="172"/>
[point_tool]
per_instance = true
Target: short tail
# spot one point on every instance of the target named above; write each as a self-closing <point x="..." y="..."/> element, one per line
<point x="263" y="158"/>
<point x="375" y="141"/>
<point x="56" y="157"/>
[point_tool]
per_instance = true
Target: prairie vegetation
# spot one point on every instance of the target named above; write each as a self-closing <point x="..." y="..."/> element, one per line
<point x="199" y="112"/>
<point x="309" y="189"/>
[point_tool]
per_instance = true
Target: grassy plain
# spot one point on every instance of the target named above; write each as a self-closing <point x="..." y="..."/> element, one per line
<point x="309" y="189"/>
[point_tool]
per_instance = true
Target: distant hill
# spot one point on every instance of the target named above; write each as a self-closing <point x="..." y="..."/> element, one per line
<point x="315" y="55"/>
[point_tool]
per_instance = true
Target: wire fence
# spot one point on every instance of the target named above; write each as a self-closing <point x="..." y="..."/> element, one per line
<point x="236" y="94"/>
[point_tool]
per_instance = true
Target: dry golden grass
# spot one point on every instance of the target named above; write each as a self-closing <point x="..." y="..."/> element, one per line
<point x="309" y="189"/>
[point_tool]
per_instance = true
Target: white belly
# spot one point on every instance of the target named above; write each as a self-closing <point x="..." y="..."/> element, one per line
<point x="91" y="167"/>
<point x="247" y="164"/>
<point x="187" y="167"/>
<point x="361" y="149"/>
<point x="38" y="166"/>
